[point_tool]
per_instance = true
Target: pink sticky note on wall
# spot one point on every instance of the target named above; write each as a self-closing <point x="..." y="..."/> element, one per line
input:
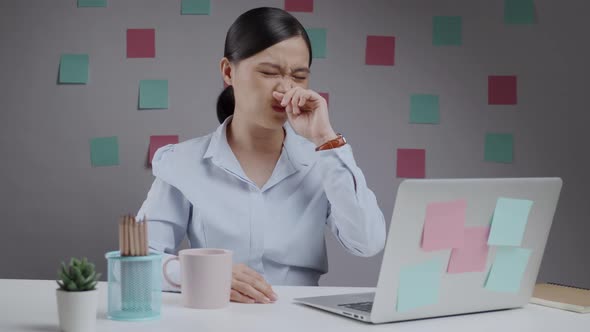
<point x="157" y="142"/>
<point x="141" y="43"/>
<point x="326" y="97"/>
<point x="305" y="6"/>
<point x="502" y="90"/>
<point x="444" y="225"/>
<point x="474" y="254"/>
<point x="380" y="50"/>
<point x="411" y="163"/>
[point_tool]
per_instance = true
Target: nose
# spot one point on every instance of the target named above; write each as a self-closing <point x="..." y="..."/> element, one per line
<point x="285" y="85"/>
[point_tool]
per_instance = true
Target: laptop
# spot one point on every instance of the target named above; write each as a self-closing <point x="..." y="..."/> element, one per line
<point x="443" y="293"/>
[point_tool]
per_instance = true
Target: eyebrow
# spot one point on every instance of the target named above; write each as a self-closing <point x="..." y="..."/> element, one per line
<point x="296" y="70"/>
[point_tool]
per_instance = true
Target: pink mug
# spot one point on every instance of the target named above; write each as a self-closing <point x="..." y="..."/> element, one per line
<point x="206" y="277"/>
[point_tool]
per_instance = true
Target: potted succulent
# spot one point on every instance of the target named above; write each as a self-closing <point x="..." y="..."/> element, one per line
<point x="77" y="296"/>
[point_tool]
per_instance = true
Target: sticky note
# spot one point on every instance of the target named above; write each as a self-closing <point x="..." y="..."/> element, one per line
<point x="509" y="221"/>
<point x="502" y="90"/>
<point x="419" y="285"/>
<point x="302" y="6"/>
<point x="153" y="94"/>
<point x="73" y="68"/>
<point x="508" y="269"/>
<point x="519" y="11"/>
<point x="326" y="97"/>
<point x="446" y="31"/>
<point x="444" y="225"/>
<point x="380" y="51"/>
<point x="104" y="151"/>
<point x="159" y="141"/>
<point x="317" y="37"/>
<point x="411" y="163"/>
<point x="92" y="3"/>
<point x="499" y="148"/>
<point x="472" y="257"/>
<point x="195" y="7"/>
<point x="141" y="43"/>
<point x="424" y="109"/>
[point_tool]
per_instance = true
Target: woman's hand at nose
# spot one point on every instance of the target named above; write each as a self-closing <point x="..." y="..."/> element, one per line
<point x="307" y="111"/>
<point x="247" y="286"/>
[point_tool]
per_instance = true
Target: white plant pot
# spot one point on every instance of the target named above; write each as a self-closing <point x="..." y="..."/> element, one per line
<point x="77" y="310"/>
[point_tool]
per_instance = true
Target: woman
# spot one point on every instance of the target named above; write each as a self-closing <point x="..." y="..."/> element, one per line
<point x="257" y="185"/>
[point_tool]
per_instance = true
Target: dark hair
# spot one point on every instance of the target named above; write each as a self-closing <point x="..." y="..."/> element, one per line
<point x="253" y="32"/>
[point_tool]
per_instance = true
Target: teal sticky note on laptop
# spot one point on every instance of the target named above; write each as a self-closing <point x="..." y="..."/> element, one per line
<point x="509" y="221"/>
<point x="104" y="151"/>
<point x="424" y="109"/>
<point x="446" y="30"/>
<point x="92" y="3"/>
<point x="195" y="7"/>
<point x="317" y="37"/>
<point x="153" y="94"/>
<point x="73" y="68"/>
<point x="419" y="285"/>
<point x="519" y="11"/>
<point x="508" y="269"/>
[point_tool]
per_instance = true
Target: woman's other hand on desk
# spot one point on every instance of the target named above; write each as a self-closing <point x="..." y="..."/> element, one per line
<point x="247" y="286"/>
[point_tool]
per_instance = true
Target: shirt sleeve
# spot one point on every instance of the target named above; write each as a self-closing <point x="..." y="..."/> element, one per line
<point x="168" y="213"/>
<point x="354" y="216"/>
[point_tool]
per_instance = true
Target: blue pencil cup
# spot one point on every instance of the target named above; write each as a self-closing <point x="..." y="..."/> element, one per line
<point x="134" y="286"/>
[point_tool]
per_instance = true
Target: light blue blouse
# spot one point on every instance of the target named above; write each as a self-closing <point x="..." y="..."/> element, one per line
<point x="201" y="191"/>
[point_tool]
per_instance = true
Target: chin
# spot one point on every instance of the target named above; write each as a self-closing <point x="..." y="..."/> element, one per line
<point x="275" y="121"/>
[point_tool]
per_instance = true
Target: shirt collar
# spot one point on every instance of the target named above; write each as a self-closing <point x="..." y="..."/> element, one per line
<point x="297" y="154"/>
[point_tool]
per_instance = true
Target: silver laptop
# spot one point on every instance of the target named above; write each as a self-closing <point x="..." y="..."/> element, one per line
<point x="458" y="293"/>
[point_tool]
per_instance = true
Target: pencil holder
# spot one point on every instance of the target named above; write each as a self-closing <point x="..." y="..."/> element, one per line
<point x="134" y="286"/>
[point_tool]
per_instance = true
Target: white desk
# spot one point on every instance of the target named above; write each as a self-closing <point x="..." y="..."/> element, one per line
<point x="30" y="305"/>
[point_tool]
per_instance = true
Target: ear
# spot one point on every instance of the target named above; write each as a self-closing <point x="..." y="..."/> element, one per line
<point x="226" y="71"/>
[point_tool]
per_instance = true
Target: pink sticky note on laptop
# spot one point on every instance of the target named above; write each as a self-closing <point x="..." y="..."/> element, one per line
<point x="444" y="225"/>
<point x="411" y="163"/>
<point x="380" y="50"/>
<point x="304" y="6"/>
<point x="157" y="142"/>
<point x="141" y="43"/>
<point x="474" y="254"/>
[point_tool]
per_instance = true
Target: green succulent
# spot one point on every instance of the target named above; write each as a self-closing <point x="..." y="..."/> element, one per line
<point x="78" y="276"/>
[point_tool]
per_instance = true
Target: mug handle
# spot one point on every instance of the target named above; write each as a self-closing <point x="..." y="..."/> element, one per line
<point x="165" y="271"/>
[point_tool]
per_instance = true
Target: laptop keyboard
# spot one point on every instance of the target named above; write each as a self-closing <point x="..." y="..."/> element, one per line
<point x="360" y="306"/>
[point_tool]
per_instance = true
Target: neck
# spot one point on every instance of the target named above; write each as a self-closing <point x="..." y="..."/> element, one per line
<point x="250" y="137"/>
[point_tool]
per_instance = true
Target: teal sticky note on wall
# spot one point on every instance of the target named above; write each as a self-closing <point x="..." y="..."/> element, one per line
<point x="92" y="3"/>
<point x="73" y="68"/>
<point x="424" y="109"/>
<point x="519" y="11"/>
<point x="507" y="269"/>
<point x="318" y="39"/>
<point x="509" y="221"/>
<point x="419" y="285"/>
<point x="195" y="7"/>
<point x="499" y="148"/>
<point x="447" y="30"/>
<point x="153" y="94"/>
<point x="104" y="151"/>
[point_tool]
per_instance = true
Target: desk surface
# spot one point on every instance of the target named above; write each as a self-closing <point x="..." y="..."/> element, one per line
<point x="30" y="305"/>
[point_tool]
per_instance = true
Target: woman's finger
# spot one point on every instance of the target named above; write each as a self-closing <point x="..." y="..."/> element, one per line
<point x="295" y="101"/>
<point x="278" y="95"/>
<point x="260" y="285"/>
<point x="250" y="291"/>
<point x="239" y="297"/>
<point x="288" y="95"/>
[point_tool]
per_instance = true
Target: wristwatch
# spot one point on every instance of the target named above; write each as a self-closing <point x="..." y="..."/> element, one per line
<point x="333" y="143"/>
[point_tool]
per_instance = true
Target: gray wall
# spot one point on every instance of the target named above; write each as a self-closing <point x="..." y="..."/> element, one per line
<point x="53" y="204"/>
